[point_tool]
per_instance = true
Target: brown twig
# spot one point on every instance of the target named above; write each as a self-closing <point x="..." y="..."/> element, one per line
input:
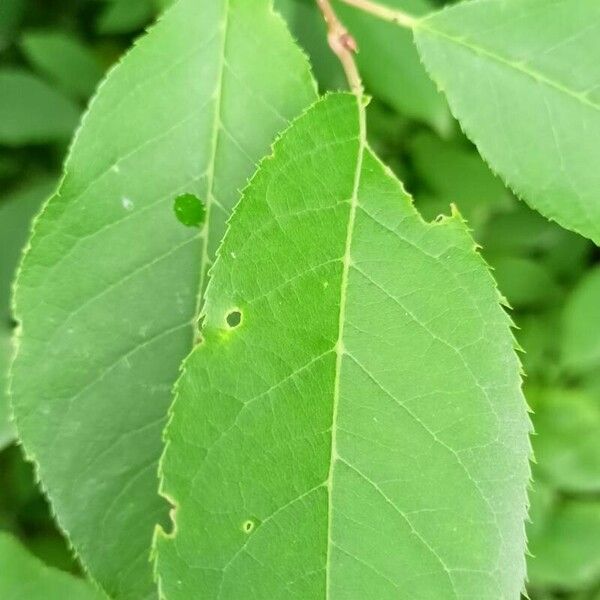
<point x="342" y="44"/>
<point x="399" y="17"/>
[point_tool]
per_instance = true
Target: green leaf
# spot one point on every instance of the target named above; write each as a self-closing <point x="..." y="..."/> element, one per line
<point x="64" y="59"/>
<point x="107" y="294"/>
<point x="361" y="431"/>
<point x="31" y="111"/>
<point x="16" y="211"/>
<point x="565" y="552"/>
<point x="24" y="577"/>
<point x="580" y="340"/>
<point x="521" y="76"/>
<point x="566" y="441"/>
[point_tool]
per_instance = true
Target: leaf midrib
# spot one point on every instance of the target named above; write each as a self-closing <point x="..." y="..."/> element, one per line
<point x="339" y="346"/>
<point x="535" y="75"/>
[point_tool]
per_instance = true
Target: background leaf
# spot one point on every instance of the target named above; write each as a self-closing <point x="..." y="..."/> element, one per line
<point x="16" y="212"/>
<point x="361" y="432"/>
<point x="64" y="59"/>
<point x="7" y="433"/>
<point x="11" y="13"/>
<point x="108" y="291"/>
<point x="521" y="76"/>
<point x="455" y="174"/>
<point x="524" y="282"/>
<point x="26" y="578"/>
<point x="121" y="16"/>
<point x="565" y="551"/>
<point x="31" y="111"/>
<point x="581" y="343"/>
<point x="567" y="423"/>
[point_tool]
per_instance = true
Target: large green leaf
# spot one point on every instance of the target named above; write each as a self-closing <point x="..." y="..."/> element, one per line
<point x="16" y="211"/>
<point x="107" y="294"/>
<point x="24" y="577"/>
<point x="522" y="78"/>
<point x="360" y="433"/>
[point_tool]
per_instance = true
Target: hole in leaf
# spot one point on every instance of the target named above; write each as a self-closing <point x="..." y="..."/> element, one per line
<point x="234" y="318"/>
<point x="249" y="526"/>
<point x="189" y="210"/>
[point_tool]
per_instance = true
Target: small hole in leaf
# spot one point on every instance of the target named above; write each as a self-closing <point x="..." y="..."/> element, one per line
<point x="234" y="318"/>
<point x="189" y="210"/>
<point x="248" y="526"/>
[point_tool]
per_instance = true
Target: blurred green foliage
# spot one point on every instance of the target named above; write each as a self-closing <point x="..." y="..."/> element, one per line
<point x="52" y="55"/>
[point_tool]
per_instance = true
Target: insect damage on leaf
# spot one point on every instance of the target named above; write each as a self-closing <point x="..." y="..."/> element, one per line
<point x="234" y="318"/>
<point x="189" y="210"/>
